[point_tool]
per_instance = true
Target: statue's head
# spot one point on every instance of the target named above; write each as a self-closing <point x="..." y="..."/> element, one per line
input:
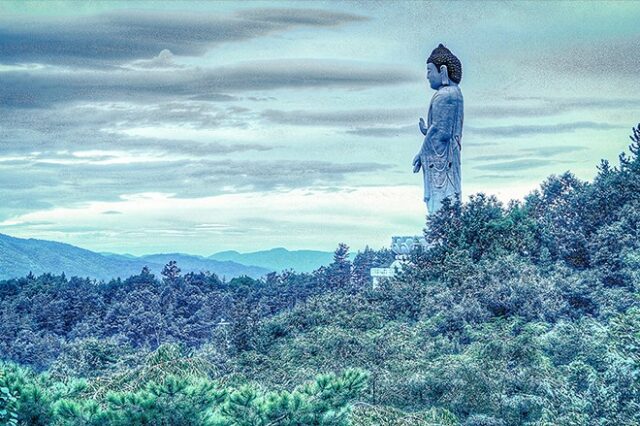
<point x="443" y="67"/>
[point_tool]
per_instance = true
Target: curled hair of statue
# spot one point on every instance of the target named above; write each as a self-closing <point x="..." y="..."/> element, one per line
<point x="443" y="56"/>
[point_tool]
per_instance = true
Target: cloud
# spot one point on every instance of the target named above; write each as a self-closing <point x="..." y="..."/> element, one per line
<point x="119" y="37"/>
<point x="550" y="151"/>
<point x="214" y="97"/>
<point x="541" y="106"/>
<point x="377" y="123"/>
<point x="492" y="176"/>
<point x="515" y="165"/>
<point x="339" y="118"/>
<point x="165" y="59"/>
<point x="493" y="157"/>
<point x="261" y="98"/>
<point x="46" y="87"/>
<point x="524" y="130"/>
<point x="524" y="159"/>
<point x="544" y="151"/>
<point x="307" y="17"/>
<point x="615" y="56"/>
<point x="28" y="184"/>
<point x="101" y="127"/>
<point x="298" y="73"/>
<point x="383" y="132"/>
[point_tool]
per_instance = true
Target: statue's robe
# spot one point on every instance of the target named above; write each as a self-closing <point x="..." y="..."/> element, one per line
<point x="440" y="154"/>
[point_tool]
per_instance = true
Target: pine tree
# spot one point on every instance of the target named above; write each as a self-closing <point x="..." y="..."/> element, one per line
<point x="626" y="161"/>
<point x="340" y="269"/>
<point x="171" y="271"/>
<point x="362" y="265"/>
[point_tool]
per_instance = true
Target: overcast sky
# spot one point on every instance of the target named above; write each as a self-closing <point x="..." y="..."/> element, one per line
<point x="200" y="126"/>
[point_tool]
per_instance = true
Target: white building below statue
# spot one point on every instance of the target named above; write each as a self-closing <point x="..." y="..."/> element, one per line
<point x="402" y="247"/>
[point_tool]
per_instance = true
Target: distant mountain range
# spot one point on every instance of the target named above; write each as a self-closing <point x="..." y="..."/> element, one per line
<point x="20" y="256"/>
<point x="279" y="259"/>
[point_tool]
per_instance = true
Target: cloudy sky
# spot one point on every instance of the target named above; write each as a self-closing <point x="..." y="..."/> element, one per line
<point x="201" y="126"/>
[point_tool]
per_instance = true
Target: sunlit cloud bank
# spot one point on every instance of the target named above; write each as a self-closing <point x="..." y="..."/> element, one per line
<point x="156" y="222"/>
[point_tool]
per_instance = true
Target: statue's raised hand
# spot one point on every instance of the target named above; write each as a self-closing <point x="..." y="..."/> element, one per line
<point x="423" y="126"/>
<point x="417" y="163"/>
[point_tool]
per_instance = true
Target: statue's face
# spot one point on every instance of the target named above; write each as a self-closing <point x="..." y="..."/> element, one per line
<point x="433" y="75"/>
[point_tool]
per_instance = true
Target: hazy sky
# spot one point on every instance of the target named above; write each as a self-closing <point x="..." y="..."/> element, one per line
<point x="203" y="126"/>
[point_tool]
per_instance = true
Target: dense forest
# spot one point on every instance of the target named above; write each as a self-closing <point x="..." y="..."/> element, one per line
<point x="519" y="314"/>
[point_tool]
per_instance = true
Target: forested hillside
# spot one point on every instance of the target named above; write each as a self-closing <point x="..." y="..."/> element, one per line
<point x="519" y="314"/>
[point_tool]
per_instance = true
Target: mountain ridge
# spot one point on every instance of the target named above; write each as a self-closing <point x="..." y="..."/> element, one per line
<point x="279" y="258"/>
<point x="20" y="256"/>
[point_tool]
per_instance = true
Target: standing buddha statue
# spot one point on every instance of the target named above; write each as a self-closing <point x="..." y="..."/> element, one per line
<point x="439" y="156"/>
